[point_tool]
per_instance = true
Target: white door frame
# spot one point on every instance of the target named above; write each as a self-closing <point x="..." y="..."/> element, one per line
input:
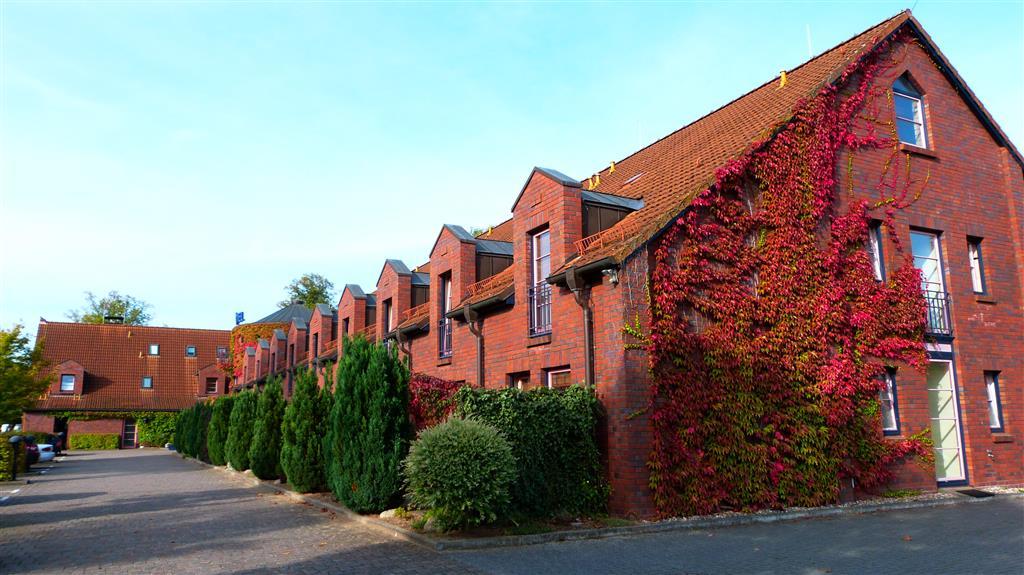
<point x="958" y="427"/>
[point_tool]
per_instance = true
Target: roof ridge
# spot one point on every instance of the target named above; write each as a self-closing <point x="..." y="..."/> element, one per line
<point x="129" y="325"/>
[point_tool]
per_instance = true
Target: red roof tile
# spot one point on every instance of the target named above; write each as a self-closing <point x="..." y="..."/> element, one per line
<point x="496" y="285"/>
<point x="115" y="357"/>
<point x="499" y="233"/>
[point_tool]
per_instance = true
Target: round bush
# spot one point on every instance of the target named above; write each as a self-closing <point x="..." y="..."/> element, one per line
<point x="462" y="471"/>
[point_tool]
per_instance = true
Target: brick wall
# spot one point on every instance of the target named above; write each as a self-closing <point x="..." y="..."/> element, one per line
<point x="95" y="426"/>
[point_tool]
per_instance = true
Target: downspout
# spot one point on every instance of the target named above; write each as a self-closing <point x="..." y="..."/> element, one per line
<point x="473" y="321"/>
<point x="582" y="297"/>
<point x="403" y="346"/>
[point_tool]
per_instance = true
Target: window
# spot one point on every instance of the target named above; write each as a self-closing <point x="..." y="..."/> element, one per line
<point x="291" y="354"/>
<point x="388" y="319"/>
<point x="540" y="293"/>
<point x="419" y="295"/>
<point x="597" y="218"/>
<point x="559" y="378"/>
<point x="519" y="380"/>
<point x="488" y="265"/>
<point x="222" y="352"/>
<point x="977" y="265"/>
<point x="67" y="382"/>
<point x="890" y="410"/>
<point x="154" y="349"/>
<point x="995" y="410"/>
<point x="444" y="343"/>
<point x="927" y="259"/>
<point x="909" y="113"/>
<point x="875" y="250"/>
<point x="316" y="344"/>
<point x="344" y="326"/>
<point x="273" y="362"/>
<point x="147" y="382"/>
<point x="190" y="351"/>
<point x="211" y="385"/>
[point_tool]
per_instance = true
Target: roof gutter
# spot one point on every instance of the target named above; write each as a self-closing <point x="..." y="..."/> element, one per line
<point x="587" y="269"/>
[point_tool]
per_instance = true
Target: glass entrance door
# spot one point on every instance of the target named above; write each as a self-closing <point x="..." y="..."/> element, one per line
<point x="128" y="436"/>
<point x="945" y="421"/>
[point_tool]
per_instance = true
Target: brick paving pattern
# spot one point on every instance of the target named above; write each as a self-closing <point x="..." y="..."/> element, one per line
<point x="149" y="511"/>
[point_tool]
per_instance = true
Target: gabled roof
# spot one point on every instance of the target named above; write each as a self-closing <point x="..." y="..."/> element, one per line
<point x="280" y="334"/>
<point x="483" y="243"/>
<point x="299" y="323"/>
<point x="555" y="175"/>
<point x="324" y="309"/>
<point x="420" y="279"/>
<point x="669" y="173"/>
<point x="264" y="344"/>
<point x="356" y="291"/>
<point x="397" y="265"/>
<point x="494" y="248"/>
<point x="287" y="313"/>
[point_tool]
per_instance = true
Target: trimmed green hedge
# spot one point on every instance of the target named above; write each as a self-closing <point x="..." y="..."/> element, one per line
<point x="217" y="434"/>
<point x="265" y="450"/>
<point x="302" y="433"/>
<point x="553" y="438"/>
<point x="190" y="432"/>
<point x="94" y="441"/>
<point x="156" y="428"/>
<point x="243" y="415"/>
<point x="7" y="452"/>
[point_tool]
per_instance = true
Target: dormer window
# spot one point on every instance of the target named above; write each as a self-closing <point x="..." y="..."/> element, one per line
<point x="147" y="382"/>
<point x="154" y="349"/>
<point x="67" y="383"/>
<point x="190" y="351"/>
<point x="602" y="211"/>
<point x="909" y="113"/>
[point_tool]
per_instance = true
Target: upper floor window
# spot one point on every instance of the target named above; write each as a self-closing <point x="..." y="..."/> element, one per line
<point x="154" y="349"/>
<point x="222" y="352"/>
<point x="211" y="385"/>
<point x="875" y="250"/>
<point x="995" y="410"/>
<point x="388" y="313"/>
<point x="344" y="326"/>
<point x="316" y="344"/>
<point x="190" y="351"/>
<point x="147" y="382"/>
<point x="67" y="382"/>
<point x="540" y="291"/>
<point x="977" y="265"/>
<point x="890" y="410"/>
<point x="273" y="361"/>
<point x="909" y="113"/>
<point x="444" y="343"/>
<point x="925" y="247"/>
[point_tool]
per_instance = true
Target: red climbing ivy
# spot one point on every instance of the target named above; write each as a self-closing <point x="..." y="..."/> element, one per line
<point x="768" y="330"/>
<point x="431" y="399"/>
<point x="243" y="337"/>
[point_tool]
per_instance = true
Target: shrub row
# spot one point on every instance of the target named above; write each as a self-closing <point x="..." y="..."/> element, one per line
<point x="302" y="431"/>
<point x="7" y="454"/>
<point x="94" y="441"/>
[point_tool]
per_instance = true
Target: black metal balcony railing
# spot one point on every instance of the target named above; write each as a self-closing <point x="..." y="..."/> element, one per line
<point x="937" y="306"/>
<point x="444" y="335"/>
<point x="540" y="309"/>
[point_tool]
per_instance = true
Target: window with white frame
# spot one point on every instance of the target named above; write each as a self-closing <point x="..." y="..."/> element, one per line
<point x="875" y="250"/>
<point x="67" y="382"/>
<point x="890" y="410"/>
<point x="559" y="378"/>
<point x="977" y="265"/>
<point x="154" y="349"/>
<point x="540" y="291"/>
<point x="995" y="411"/>
<point x="388" y="313"/>
<point x="909" y="113"/>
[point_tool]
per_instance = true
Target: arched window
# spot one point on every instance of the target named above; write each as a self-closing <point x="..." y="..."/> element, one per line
<point x="909" y="113"/>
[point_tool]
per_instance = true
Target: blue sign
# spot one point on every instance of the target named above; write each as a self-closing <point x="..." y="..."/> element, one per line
<point x="239" y="317"/>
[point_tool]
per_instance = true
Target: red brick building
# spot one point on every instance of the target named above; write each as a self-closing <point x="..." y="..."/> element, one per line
<point x="542" y="299"/>
<point x="114" y="369"/>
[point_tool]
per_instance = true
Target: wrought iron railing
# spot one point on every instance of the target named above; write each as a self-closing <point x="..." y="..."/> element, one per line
<point x="937" y="313"/>
<point x="540" y="309"/>
<point x="444" y="337"/>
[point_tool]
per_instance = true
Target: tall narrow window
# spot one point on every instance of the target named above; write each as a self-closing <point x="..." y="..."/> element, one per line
<point x="344" y="326"/>
<point x="890" y="410"/>
<point x="540" y="292"/>
<point x="909" y="113"/>
<point x="977" y="265"/>
<point x="316" y="344"/>
<point x="875" y="250"/>
<point x="67" y="383"/>
<point x="995" y="410"/>
<point x="388" y="320"/>
<point x="444" y="347"/>
<point x="925" y="247"/>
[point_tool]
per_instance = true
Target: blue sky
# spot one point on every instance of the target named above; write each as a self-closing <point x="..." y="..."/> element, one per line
<point x="200" y="155"/>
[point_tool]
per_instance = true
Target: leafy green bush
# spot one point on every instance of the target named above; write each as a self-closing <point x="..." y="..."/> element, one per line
<point x="265" y="449"/>
<point x="7" y="453"/>
<point x="156" y="428"/>
<point x="217" y="434"/>
<point x="302" y="455"/>
<point x="243" y="415"/>
<point x="552" y="433"/>
<point x="368" y="429"/>
<point x="94" y="441"/>
<point x="462" y="471"/>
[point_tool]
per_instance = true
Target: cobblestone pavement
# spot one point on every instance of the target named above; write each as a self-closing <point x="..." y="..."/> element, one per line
<point x="985" y="538"/>
<point x="149" y="511"/>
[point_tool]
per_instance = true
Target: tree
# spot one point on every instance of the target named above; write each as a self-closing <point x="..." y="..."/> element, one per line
<point x="302" y="433"/>
<point x="368" y="431"/>
<point x="217" y="436"/>
<point x="265" y="450"/>
<point x="240" y="430"/>
<point x="22" y="377"/>
<point x="309" y="289"/>
<point x="134" y="311"/>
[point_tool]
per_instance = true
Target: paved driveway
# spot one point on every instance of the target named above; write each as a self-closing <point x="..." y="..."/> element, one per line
<point x="148" y="511"/>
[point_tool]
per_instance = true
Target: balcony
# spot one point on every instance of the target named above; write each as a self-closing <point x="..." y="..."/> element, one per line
<point x="540" y="309"/>
<point x="937" y="313"/>
<point x="444" y="341"/>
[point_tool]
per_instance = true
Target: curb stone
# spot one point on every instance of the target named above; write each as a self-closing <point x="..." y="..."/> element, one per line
<point x="663" y="526"/>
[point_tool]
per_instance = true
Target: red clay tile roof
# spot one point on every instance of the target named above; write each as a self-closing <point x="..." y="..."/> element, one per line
<point x="499" y="233"/>
<point x="415" y="316"/>
<point x="669" y="173"/>
<point x="115" y="357"/>
<point x="496" y="285"/>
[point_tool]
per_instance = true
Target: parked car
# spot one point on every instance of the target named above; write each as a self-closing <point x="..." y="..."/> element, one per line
<point x="31" y="450"/>
<point x="46" y="452"/>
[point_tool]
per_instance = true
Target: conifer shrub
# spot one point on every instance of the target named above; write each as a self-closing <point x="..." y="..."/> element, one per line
<point x="265" y="449"/>
<point x="553" y="439"/>
<point x="217" y="435"/>
<point x="368" y="428"/>
<point x="243" y="415"/>
<point x="461" y="470"/>
<point x="302" y="455"/>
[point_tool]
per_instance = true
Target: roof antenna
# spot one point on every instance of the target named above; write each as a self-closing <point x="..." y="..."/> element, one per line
<point x="810" y="47"/>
